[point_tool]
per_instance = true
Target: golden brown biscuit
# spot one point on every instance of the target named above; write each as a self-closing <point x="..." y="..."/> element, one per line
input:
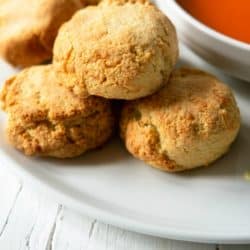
<point x="120" y="51"/>
<point x="48" y="116"/>
<point x="95" y="2"/>
<point x="28" y="28"/>
<point x="122" y="2"/>
<point x="92" y="2"/>
<point x="189" y="123"/>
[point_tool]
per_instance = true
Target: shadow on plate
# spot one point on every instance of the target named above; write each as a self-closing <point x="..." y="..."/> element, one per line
<point x="235" y="163"/>
<point x="111" y="152"/>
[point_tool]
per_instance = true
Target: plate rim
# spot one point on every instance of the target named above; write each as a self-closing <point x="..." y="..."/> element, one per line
<point x="57" y="195"/>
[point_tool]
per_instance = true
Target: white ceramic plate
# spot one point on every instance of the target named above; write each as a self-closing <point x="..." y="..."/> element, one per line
<point x="208" y="205"/>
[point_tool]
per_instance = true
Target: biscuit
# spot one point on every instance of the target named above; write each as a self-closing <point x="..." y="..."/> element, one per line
<point x="122" y="2"/>
<point x="28" y="28"/>
<point x="50" y="118"/>
<point x="92" y="2"/>
<point x="119" y="51"/>
<point x="189" y="123"/>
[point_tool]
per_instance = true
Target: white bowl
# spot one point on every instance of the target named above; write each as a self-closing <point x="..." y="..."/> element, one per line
<point x="228" y="54"/>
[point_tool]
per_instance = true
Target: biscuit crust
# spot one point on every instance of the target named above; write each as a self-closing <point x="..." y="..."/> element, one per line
<point x="48" y="117"/>
<point x="28" y="28"/>
<point x="190" y="123"/>
<point x="118" y="50"/>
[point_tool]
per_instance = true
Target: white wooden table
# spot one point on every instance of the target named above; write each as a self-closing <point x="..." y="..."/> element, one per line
<point x="31" y="221"/>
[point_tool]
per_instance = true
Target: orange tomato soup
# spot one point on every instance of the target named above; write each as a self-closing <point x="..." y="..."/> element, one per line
<point x="230" y="17"/>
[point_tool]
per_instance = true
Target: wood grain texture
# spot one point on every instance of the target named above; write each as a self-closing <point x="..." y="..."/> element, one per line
<point x="111" y="238"/>
<point x="30" y="222"/>
<point x="72" y="231"/>
<point x="10" y="188"/>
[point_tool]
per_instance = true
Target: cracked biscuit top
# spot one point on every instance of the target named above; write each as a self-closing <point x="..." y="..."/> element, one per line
<point x="191" y="122"/>
<point x="49" y="117"/>
<point x="28" y="28"/>
<point x="120" y="51"/>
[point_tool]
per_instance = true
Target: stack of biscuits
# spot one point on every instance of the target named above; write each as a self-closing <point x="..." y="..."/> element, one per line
<point x="173" y="119"/>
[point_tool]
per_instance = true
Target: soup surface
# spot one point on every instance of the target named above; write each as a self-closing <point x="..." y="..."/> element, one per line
<point x="230" y="17"/>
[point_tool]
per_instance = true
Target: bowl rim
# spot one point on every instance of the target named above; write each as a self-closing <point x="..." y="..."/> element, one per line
<point x="204" y="28"/>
